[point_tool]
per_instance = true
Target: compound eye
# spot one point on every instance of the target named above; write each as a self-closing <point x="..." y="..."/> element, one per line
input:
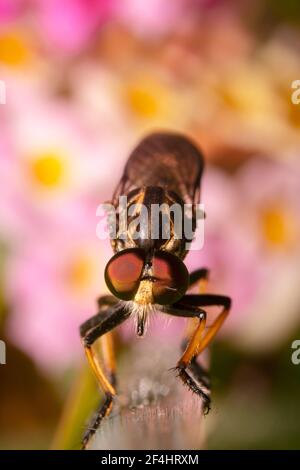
<point x="123" y="272"/>
<point x="171" y="278"/>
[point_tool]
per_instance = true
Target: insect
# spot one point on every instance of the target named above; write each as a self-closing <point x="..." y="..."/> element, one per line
<point x="148" y="272"/>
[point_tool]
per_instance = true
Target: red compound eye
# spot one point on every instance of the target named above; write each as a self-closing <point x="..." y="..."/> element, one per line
<point x="171" y="278"/>
<point x="123" y="272"/>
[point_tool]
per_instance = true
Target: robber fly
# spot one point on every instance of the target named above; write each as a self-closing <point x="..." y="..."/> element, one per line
<point x="148" y="272"/>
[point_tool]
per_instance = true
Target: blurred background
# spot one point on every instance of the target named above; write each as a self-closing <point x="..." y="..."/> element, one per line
<point x="85" y="80"/>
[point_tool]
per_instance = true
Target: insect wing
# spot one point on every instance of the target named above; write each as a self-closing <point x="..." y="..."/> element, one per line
<point x="165" y="160"/>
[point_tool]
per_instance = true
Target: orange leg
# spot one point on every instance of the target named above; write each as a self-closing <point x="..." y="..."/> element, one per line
<point x="190" y="306"/>
<point x="100" y="326"/>
<point x="200" y="340"/>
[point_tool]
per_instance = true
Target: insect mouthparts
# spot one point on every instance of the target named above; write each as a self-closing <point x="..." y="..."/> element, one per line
<point x="140" y="329"/>
<point x="141" y="322"/>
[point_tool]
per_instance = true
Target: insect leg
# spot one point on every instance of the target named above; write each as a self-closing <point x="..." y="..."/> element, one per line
<point x="187" y="306"/>
<point x="103" y="303"/>
<point x="198" y="371"/>
<point x="106" y="301"/>
<point x="200" y="385"/>
<point x="106" y="341"/>
<point x="200" y="374"/>
<point x="195" y="347"/>
<point x="204" y="300"/>
<point x="90" y="331"/>
<point x="201" y="276"/>
<point x="108" y="353"/>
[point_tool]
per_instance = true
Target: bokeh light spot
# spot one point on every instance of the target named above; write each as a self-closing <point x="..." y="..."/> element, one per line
<point x="48" y="170"/>
<point x="142" y="101"/>
<point x="13" y="49"/>
<point x="80" y="273"/>
<point x="277" y="226"/>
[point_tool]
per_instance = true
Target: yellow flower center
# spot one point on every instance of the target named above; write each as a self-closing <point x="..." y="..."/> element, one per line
<point x="13" y="49"/>
<point x="80" y="273"/>
<point x="277" y="226"/>
<point x="147" y="98"/>
<point x="48" y="170"/>
<point x="230" y="99"/>
<point x="246" y="94"/>
<point x="142" y="101"/>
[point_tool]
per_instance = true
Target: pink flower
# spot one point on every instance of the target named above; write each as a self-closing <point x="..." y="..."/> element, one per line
<point x="153" y="18"/>
<point x="9" y="10"/>
<point x="49" y="159"/>
<point x="52" y="281"/>
<point x="271" y="190"/>
<point x="270" y="194"/>
<point x="68" y="26"/>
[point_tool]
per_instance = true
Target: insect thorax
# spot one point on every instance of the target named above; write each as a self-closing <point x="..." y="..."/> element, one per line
<point x="153" y="218"/>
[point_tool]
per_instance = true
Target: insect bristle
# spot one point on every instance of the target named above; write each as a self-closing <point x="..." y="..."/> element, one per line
<point x="141" y="316"/>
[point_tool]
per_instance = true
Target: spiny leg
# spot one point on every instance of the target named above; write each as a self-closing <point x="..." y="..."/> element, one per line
<point x="201" y="388"/>
<point x="200" y="339"/>
<point x="199" y="372"/>
<point x="189" y="372"/>
<point x="195" y="347"/>
<point x="90" y="331"/>
<point x="199" y="276"/>
<point x="204" y="300"/>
